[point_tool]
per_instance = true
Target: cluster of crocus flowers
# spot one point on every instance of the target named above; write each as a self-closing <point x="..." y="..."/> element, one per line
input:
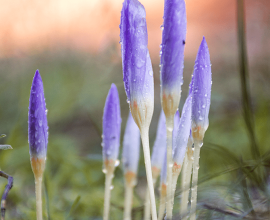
<point x="37" y="136"/>
<point x="171" y="76"/>
<point x="173" y="147"/>
<point x="110" y="142"/>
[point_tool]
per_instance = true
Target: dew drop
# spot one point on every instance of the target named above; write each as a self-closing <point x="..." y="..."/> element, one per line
<point x="117" y="162"/>
<point x="40" y="123"/>
<point x="104" y="170"/>
<point x="111" y="187"/>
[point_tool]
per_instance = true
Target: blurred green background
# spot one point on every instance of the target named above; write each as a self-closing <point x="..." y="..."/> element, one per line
<point x="76" y="83"/>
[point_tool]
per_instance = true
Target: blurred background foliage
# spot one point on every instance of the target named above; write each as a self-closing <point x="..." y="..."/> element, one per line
<point x="233" y="184"/>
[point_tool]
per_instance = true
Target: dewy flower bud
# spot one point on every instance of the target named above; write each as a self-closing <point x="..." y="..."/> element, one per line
<point x="172" y="54"/>
<point x="131" y="148"/>
<point x="183" y="134"/>
<point x="111" y="128"/>
<point x="37" y="127"/>
<point x="136" y="62"/>
<point x="159" y="147"/>
<point x="202" y="80"/>
<point x="37" y="120"/>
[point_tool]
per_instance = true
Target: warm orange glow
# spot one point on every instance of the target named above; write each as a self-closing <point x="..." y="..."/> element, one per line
<point x="33" y="26"/>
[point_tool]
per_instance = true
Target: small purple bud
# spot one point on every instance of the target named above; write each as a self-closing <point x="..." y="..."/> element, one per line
<point x="37" y="120"/>
<point x="172" y="54"/>
<point x="159" y="147"/>
<point x="201" y="92"/>
<point x="131" y="147"/>
<point x="111" y="128"/>
<point x="183" y="133"/>
<point x="136" y="62"/>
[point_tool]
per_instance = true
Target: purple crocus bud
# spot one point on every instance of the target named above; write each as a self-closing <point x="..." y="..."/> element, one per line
<point x="172" y="54"/>
<point x="111" y="129"/>
<point x="136" y="62"/>
<point x="37" y="126"/>
<point x="183" y="135"/>
<point x="131" y="149"/>
<point x="159" y="147"/>
<point x="201" y="92"/>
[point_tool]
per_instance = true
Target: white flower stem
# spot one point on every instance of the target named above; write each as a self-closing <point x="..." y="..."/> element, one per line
<point x="197" y="148"/>
<point x="147" y="161"/>
<point x="38" y="186"/>
<point x="147" y="209"/>
<point x="169" y="201"/>
<point x="38" y="167"/>
<point x="128" y="201"/>
<point x="162" y="203"/>
<point x="185" y="182"/>
<point x="107" y="195"/>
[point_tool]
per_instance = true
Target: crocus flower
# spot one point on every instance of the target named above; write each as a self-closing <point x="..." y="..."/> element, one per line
<point x="201" y="92"/>
<point x="159" y="147"/>
<point x="172" y="54"/>
<point x="37" y="126"/>
<point x="183" y="133"/>
<point x="37" y="136"/>
<point x="131" y="149"/>
<point x="111" y="128"/>
<point x="136" y="62"/>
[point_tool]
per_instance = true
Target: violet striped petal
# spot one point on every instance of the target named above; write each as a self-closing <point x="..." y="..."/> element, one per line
<point x="37" y="120"/>
<point x="131" y="146"/>
<point x="172" y="54"/>
<point x="111" y="126"/>
<point x="201" y="92"/>
<point x="183" y="133"/>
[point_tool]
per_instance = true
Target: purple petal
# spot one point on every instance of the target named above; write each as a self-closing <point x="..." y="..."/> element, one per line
<point x="159" y="147"/>
<point x="183" y="132"/>
<point x="111" y="125"/>
<point x="136" y="62"/>
<point x="37" y="119"/>
<point x="201" y="88"/>
<point x="131" y="146"/>
<point x="172" y="47"/>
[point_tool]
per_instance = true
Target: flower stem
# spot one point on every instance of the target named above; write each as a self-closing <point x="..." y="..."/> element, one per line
<point x="38" y="185"/>
<point x="147" y="209"/>
<point x="185" y="182"/>
<point x="5" y="194"/>
<point x="169" y="202"/>
<point x="162" y="203"/>
<point x="107" y="196"/>
<point x="197" y="148"/>
<point x="147" y="160"/>
<point x="128" y="201"/>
